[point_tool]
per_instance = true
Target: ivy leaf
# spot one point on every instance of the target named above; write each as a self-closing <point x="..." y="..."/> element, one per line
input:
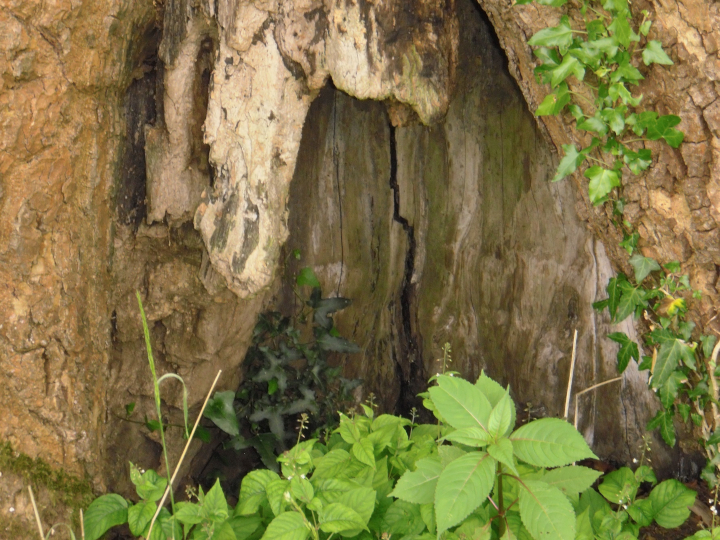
<point x="594" y="124"/>
<point x="628" y="350"/>
<point x="654" y="54"/>
<point x="569" y="162"/>
<point x="602" y="182"/>
<point x="669" y="391"/>
<point x="621" y="30"/>
<point x="549" y="442"/>
<point x="664" y="128"/>
<point x="103" y="513"/>
<point x="663" y="421"/>
<point x="327" y="342"/>
<point x="546" y="512"/>
<point x="419" y="486"/>
<point x="221" y="411"/>
<point x="554" y="102"/>
<point x="614" y="118"/>
<point x="614" y="291"/>
<point x="619" y="91"/>
<point x="569" y="66"/>
<point x="668" y="359"/>
<point x="670" y="503"/>
<point x="643" y="266"/>
<point x="553" y="3"/>
<point x="307" y="277"/>
<point x="462" y="487"/>
<point x="637" y="161"/>
<point x="557" y="36"/>
<point x="287" y="526"/>
<point x="626" y="72"/>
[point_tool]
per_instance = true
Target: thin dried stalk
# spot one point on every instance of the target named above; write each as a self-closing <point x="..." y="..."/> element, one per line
<point x="572" y="374"/>
<point x="37" y="514"/>
<point x="593" y="387"/>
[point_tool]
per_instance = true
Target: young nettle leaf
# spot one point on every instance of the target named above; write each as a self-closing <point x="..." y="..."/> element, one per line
<point x="572" y="479"/>
<point x="546" y="512"/>
<point x="501" y="417"/>
<point x="643" y="266"/>
<point x="460" y="403"/>
<point x="557" y="36"/>
<point x="602" y="182"/>
<point x="419" y="486"/>
<point x="287" y="526"/>
<point x="628" y="350"/>
<point x="549" y="442"/>
<point x="462" y="487"/>
<point x="103" y="513"/>
<point x="654" y="54"/>
<point x="671" y="503"/>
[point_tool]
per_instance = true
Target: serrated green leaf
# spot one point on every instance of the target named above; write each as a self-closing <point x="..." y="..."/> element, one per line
<point x="557" y="36"/>
<point x="549" y="442"/>
<point x="619" y="487"/>
<point x="302" y="489"/>
<point x="338" y="518"/>
<point x="670" y="503"/>
<point x="427" y="512"/>
<point x="221" y="411"/>
<point x="460" y="403"/>
<point x="642" y="512"/>
<point x="103" y="513"/>
<point x="252" y="491"/>
<point x="546" y="512"/>
<point x="214" y="504"/>
<point x="362" y="500"/>
<point x="306" y="276"/>
<point x="287" y="526"/>
<point x="462" y="487"/>
<point x="643" y="266"/>
<point x="654" y="54"/>
<point x="188" y="513"/>
<point x="602" y="182"/>
<point x="502" y="451"/>
<point x="501" y="416"/>
<point x="402" y="519"/>
<point x="419" y="485"/>
<point x="569" y="163"/>
<point x="275" y="492"/>
<point x="149" y="485"/>
<point x="571" y="479"/>
<point x="364" y="452"/>
<point x="628" y="350"/>
<point x="140" y="516"/>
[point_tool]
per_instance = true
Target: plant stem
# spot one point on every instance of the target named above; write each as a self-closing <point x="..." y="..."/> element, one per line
<point x="501" y="504"/>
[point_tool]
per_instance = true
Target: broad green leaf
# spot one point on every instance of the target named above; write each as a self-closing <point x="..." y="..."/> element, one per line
<point x="427" y="512"/>
<point x="214" y="504"/>
<point x="654" y="54"/>
<point x="287" y="526"/>
<point x="307" y="277"/>
<point x="643" y="266"/>
<point x="275" y="492"/>
<point x="302" y="489"/>
<point x="222" y="530"/>
<point x="402" y="518"/>
<point x="572" y="479"/>
<point x="331" y="489"/>
<point x="188" y="513"/>
<point x="619" y="487"/>
<point x="549" y="442"/>
<point x="494" y="392"/>
<point x="149" y="485"/>
<point x="462" y="487"/>
<point x="502" y="451"/>
<point x="501" y="416"/>
<point x="419" y="486"/>
<point x="337" y="463"/>
<point x="557" y="36"/>
<point x="460" y="403"/>
<point x="642" y="512"/>
<point x="103" y="513"/>
<point x="583" y="526"/>
<point x="252" y="491"/>
<point x="628" y="350"/>
<point x="516" y="527"/>
<point x="362" y="500"/>
<point x="546" y="512"/>
<point x="448" y="454"/>
<point x="553" y="3"/>
<point x="670" y="503"/>
<point x="364" y="452"/>
<point x="469" y="436"/>
<point x="668" y="359"/>
<point x="602" y="182"/>
<point x="140" y="515"/>
<point x="337" y="518"/>
<point x="221" y="411"/>
<point x="569" y="163"/>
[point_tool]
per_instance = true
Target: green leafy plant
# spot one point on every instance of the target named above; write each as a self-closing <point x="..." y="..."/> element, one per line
<point x="591" y="69"/>
<point x="287" y="373"/>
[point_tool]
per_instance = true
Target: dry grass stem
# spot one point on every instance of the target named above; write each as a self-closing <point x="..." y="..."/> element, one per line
<point x="182" y="456"/>
<point x="572" y="374"/>
<point x="37" y="514"/>
<point x="593" y="387"/>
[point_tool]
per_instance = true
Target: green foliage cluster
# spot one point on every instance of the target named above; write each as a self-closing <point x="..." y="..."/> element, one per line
<point x="471" y="475"/>
<point x="287" y="373"/>
<point x="591" y="71"/>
